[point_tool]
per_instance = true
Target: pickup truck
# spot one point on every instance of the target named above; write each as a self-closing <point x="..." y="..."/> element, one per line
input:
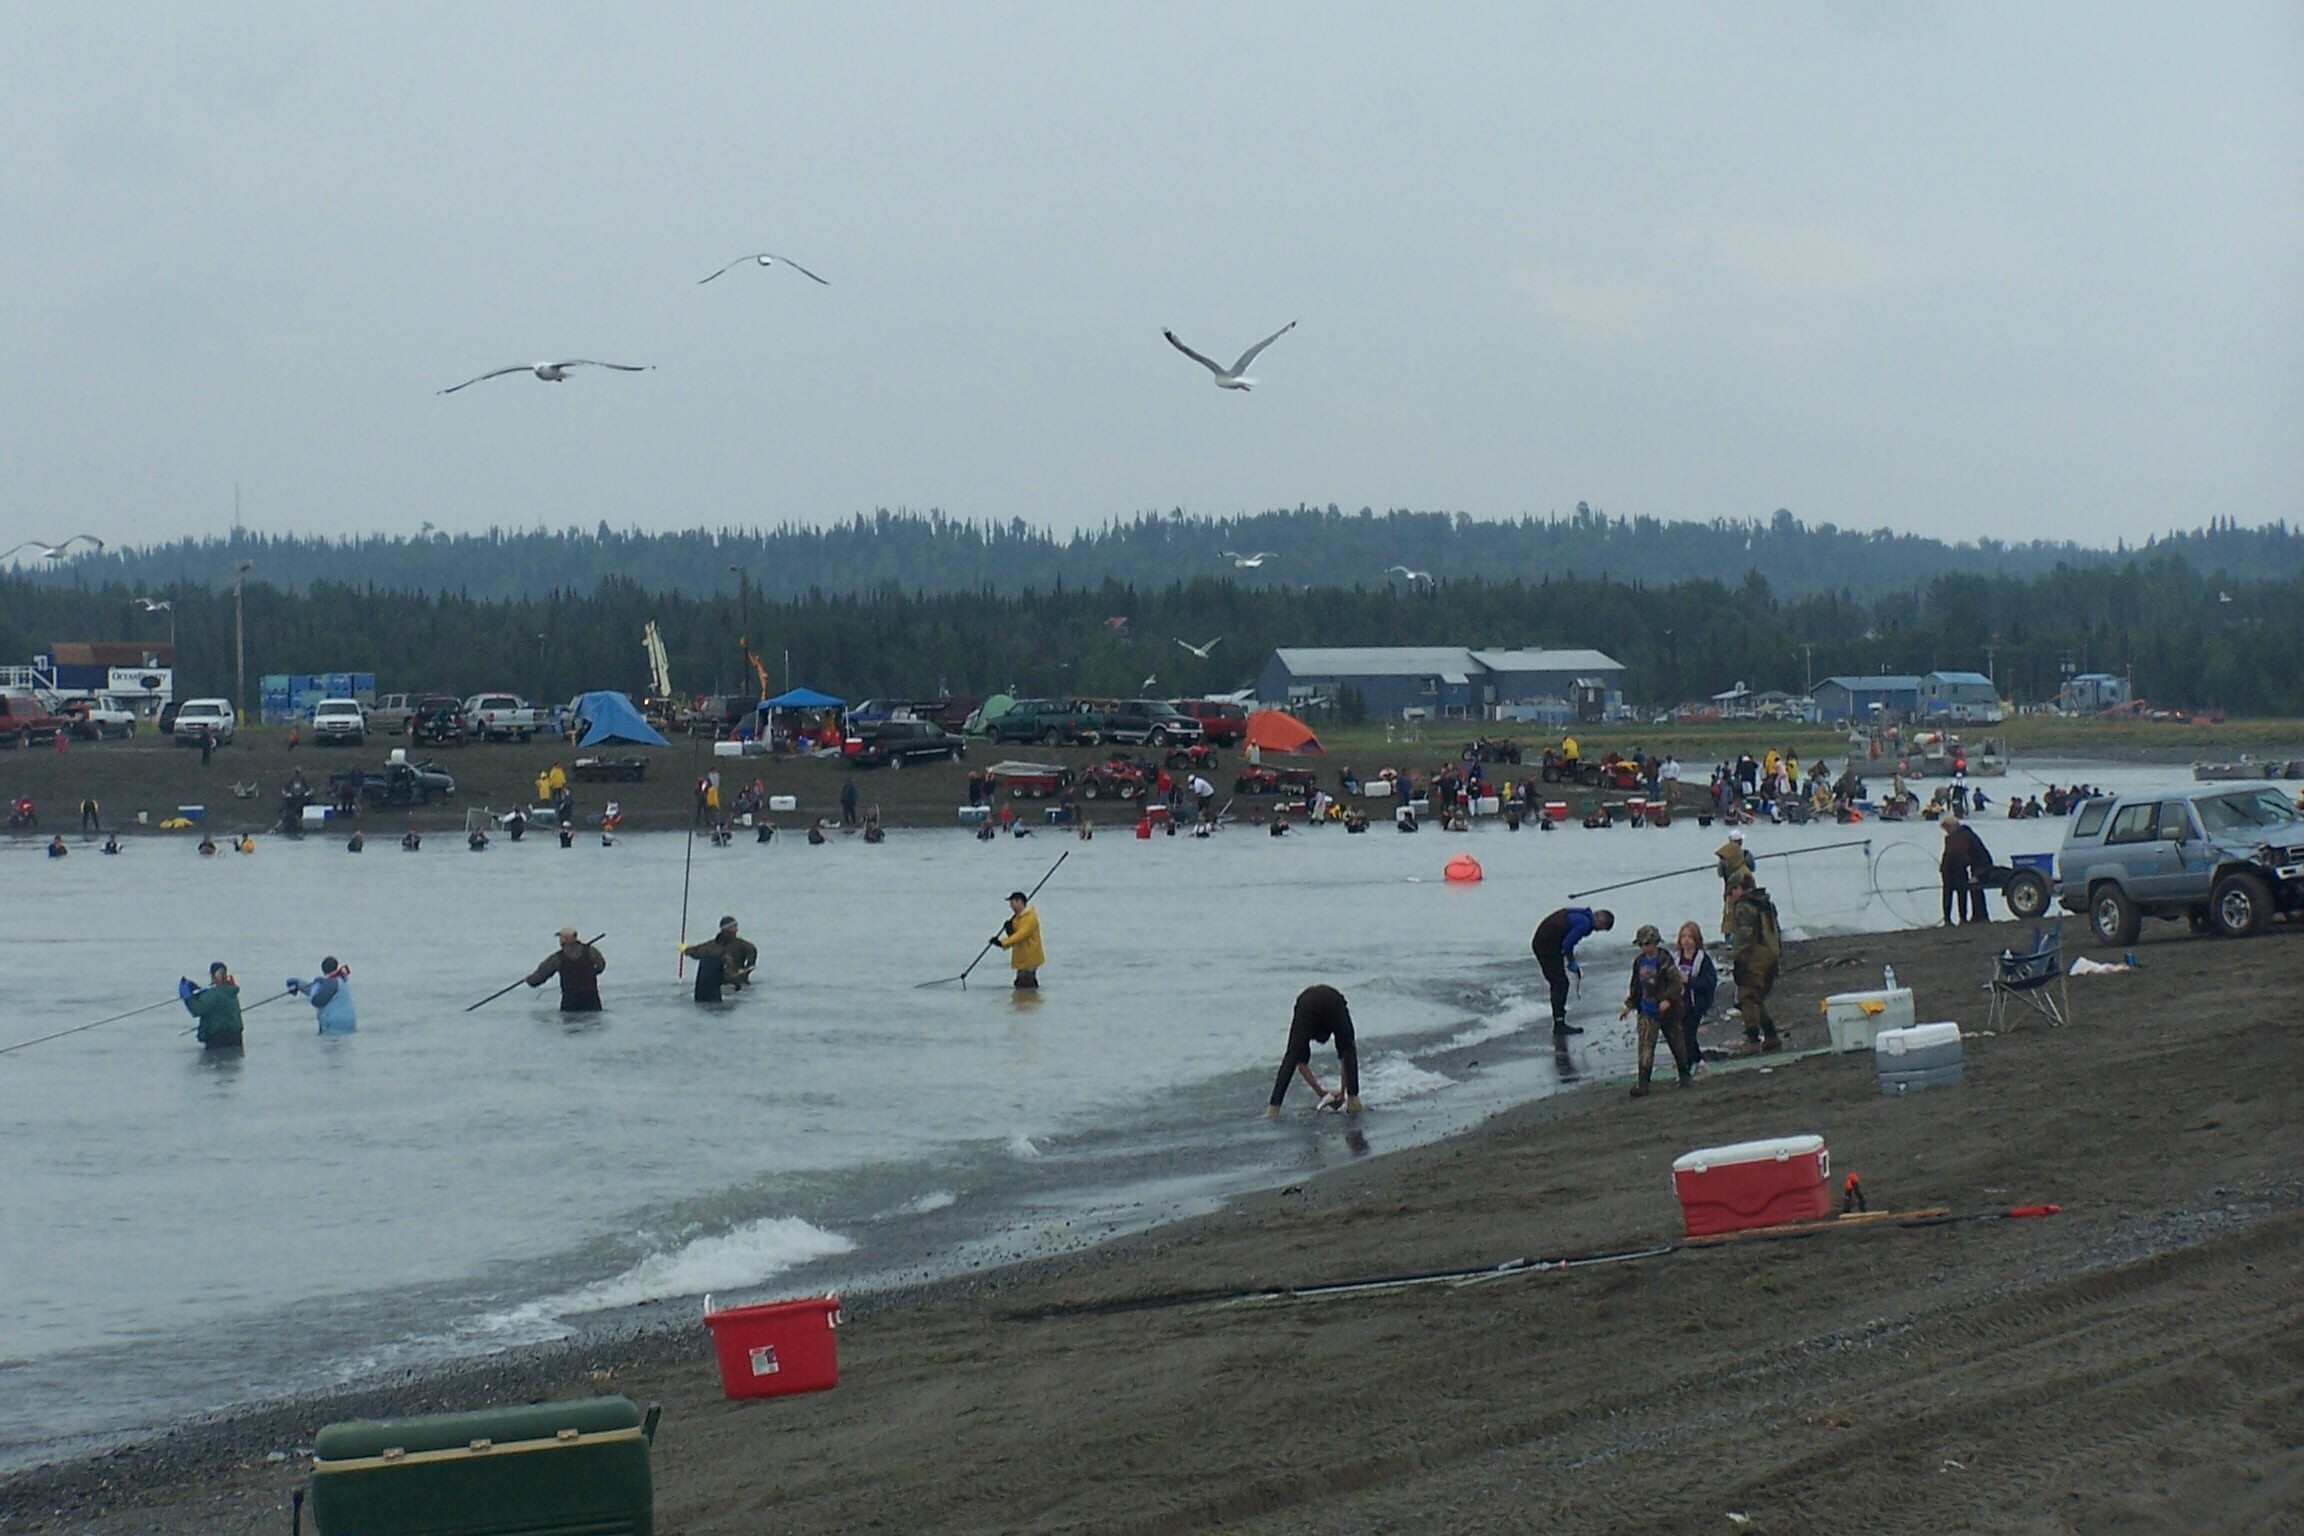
<point x="388" y="716"/>
<point x="339" y="720"/>
<point x="2224" y="857"/>
<point x="501" y="717"/>
<point x="97" y="716"/>
<point x="24" y="720"/>
<point x="1050" y="722"/>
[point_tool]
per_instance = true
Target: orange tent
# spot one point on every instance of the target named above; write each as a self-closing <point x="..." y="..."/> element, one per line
<point x="1276" y="730"/>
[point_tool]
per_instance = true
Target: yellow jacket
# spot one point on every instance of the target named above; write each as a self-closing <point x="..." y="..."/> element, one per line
<point x="1021" y="938"/>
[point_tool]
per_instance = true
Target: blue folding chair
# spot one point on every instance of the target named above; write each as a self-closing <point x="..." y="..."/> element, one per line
<point x="2036" y="977"/>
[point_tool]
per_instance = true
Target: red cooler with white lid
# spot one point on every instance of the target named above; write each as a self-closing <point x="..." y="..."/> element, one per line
<point x="1753" y="1184"/>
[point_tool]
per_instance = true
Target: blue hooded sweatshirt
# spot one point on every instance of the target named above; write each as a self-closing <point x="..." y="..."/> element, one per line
<point x="332" y="996"/>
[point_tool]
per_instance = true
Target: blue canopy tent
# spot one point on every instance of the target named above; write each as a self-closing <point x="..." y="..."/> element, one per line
<point x="803" y="698"/>
<point x="611" y="717"/>
<point x="786" y="717"/>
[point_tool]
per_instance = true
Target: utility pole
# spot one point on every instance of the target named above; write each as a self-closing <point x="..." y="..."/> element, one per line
<point x="743" y="614"/>
<point x="1991" y="671"/>
<point x="540" y="669"/>
<point x="239" y="635"/>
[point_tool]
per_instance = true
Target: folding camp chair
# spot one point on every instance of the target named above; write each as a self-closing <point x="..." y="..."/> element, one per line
<point x="2036" y="977"/>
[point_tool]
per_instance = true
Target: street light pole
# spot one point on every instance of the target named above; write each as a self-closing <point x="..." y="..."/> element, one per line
<point x="239" y="639"/>
<point x="743" y="614"/>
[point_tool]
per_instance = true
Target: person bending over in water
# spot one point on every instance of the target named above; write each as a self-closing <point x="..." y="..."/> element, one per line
<point x="1321" y="1015"/>
<point x="215" y="1008"/>
<point x="724" y="960"/>
<point x="578" y="965"/>
<point x="1554" y="946"/>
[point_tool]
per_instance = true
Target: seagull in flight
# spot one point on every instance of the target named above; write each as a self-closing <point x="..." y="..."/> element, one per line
<point x="550" y="373"/>
<point x="155" y="605"/>
<point x="50" y="551"/>
<point x="1200" y="651"/>
<point x="1146" y="685"/>
<point x="765" y="259"/>
<point x="1236" y="376"/>
<point x="1412" y="577"/>
<point x="1246" y="562"/>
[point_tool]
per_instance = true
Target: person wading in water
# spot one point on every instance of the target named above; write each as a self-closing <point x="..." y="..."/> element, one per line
<point x="578" y="965"/>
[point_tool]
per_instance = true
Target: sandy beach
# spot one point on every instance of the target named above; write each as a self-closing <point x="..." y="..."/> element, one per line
<point x="2130" y="1364"/>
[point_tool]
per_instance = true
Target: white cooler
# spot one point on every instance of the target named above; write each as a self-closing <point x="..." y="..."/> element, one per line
<point x="783" y="802"/>
<point x="1856" y="1018"/>
<point x="1924" y="1056"/>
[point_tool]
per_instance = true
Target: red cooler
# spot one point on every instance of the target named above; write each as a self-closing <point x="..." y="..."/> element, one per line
<point x="776" y="1348"/>
<point x="1753" y="1184"/>
<point x="1555" y="810"/>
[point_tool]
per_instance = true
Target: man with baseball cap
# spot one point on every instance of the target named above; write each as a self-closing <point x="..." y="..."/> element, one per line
<point x="1657" y="990"/>
<point x="578" y="965"/>
<point x="1020" y="936"/>
<point x="724" y="960"/>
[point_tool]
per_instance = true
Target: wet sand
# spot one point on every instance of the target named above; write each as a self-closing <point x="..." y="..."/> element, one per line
<point x="2130" y="1365"/>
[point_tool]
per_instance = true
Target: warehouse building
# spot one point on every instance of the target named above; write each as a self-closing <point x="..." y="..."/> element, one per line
<point x="1445" y="682"/>
<point x="1859" y="699"/>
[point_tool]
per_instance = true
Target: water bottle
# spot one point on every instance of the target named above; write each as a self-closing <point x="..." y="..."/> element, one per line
<point x="1887" y="978"/>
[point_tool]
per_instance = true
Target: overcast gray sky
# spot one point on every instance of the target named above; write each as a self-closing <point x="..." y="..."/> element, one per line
<point x="1961" y="269"/>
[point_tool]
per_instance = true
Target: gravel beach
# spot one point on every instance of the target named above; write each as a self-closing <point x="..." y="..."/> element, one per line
<point x="2130" y="1364"/>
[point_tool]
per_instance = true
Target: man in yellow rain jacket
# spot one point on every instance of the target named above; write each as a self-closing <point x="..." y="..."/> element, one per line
<point x="1020" y="936"/>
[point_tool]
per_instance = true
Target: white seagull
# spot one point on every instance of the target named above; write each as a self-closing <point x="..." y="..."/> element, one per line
<point x="765" y="259"/>
<point x="1146" y="685"/>
<point x="50" y="551"/>
<point x="1200" y="651"/>
<point x="1234" y="377"/>
<point x="1412" y="577"/>
<point x="1247" y="562"/>
<point x="550" y="373"/>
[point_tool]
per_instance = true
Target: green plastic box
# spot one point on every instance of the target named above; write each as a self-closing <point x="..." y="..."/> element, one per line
<point x="549" y="1469"/>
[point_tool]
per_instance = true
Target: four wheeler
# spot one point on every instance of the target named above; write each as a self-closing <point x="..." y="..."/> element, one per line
<point x="1257" y="779"/>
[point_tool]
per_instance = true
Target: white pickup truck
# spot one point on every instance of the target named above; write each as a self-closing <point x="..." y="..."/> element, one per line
<point x="500" y="717"/>
<point x="98" y="715"/>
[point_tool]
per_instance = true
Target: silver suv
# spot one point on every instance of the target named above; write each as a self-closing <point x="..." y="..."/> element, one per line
<point x="2226" y="857"/>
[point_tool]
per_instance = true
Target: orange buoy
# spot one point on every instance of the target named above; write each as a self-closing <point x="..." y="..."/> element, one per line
<point x="1463" y="869"/>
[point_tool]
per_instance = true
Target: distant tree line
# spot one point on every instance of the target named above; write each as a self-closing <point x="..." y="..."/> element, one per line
<point x="2190" y="640"/>
<point x="1321" y="547"/>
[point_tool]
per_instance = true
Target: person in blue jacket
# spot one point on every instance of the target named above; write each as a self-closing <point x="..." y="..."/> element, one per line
<point x="331" y="994"/>
<point x="1700" y="980"/>
<point x="1554" y="945"/>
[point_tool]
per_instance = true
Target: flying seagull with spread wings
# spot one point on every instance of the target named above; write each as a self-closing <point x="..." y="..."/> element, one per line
<point x="765" y="259"/>
<point x="550" y="373"/>
<point x="50" y="551"/>
<point x="1200" y="651"/>
<point x="1236" y="376"/>
<point x="1247" y="562"/>
<point x="1412" y="577"/>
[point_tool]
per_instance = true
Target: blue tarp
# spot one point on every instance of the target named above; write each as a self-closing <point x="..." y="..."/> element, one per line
<point x="611" y="717"/>
<point x="803" y="698"/>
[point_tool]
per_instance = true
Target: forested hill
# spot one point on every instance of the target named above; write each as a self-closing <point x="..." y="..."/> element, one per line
<point x="1321" y="547"/>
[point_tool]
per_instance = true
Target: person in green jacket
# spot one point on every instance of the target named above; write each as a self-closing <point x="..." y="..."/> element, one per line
<point x="215" y="1007"/>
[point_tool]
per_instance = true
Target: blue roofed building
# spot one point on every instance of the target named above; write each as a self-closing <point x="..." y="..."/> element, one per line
<point x="1959" y="696"/>
<point x="1859" y="699"/>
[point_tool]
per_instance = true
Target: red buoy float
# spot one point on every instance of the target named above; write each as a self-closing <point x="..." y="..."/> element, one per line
<point x="1462" y="869"/>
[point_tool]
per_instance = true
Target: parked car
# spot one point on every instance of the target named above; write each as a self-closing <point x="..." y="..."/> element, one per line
<point x="721" y="714"/>
<point x="388" y="716"/>
<point x="166" y="719"/>
<point x="500" y="717"/>
<point x="1050" y="722"/>
<point x="897" y="742"/>
<point x="2225" y="857"/>
<point x="24" y="720"/>
<point x="213" y="718"/>
<point x="439" y="719"/>
<point x="1153" y="721"/>
<point x="1223" y="724"/>
<point x="339" y="720"/>
<point x="97" y="716"/>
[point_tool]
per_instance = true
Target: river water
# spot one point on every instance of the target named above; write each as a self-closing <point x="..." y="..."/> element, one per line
<point x="185" y="1232"/>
